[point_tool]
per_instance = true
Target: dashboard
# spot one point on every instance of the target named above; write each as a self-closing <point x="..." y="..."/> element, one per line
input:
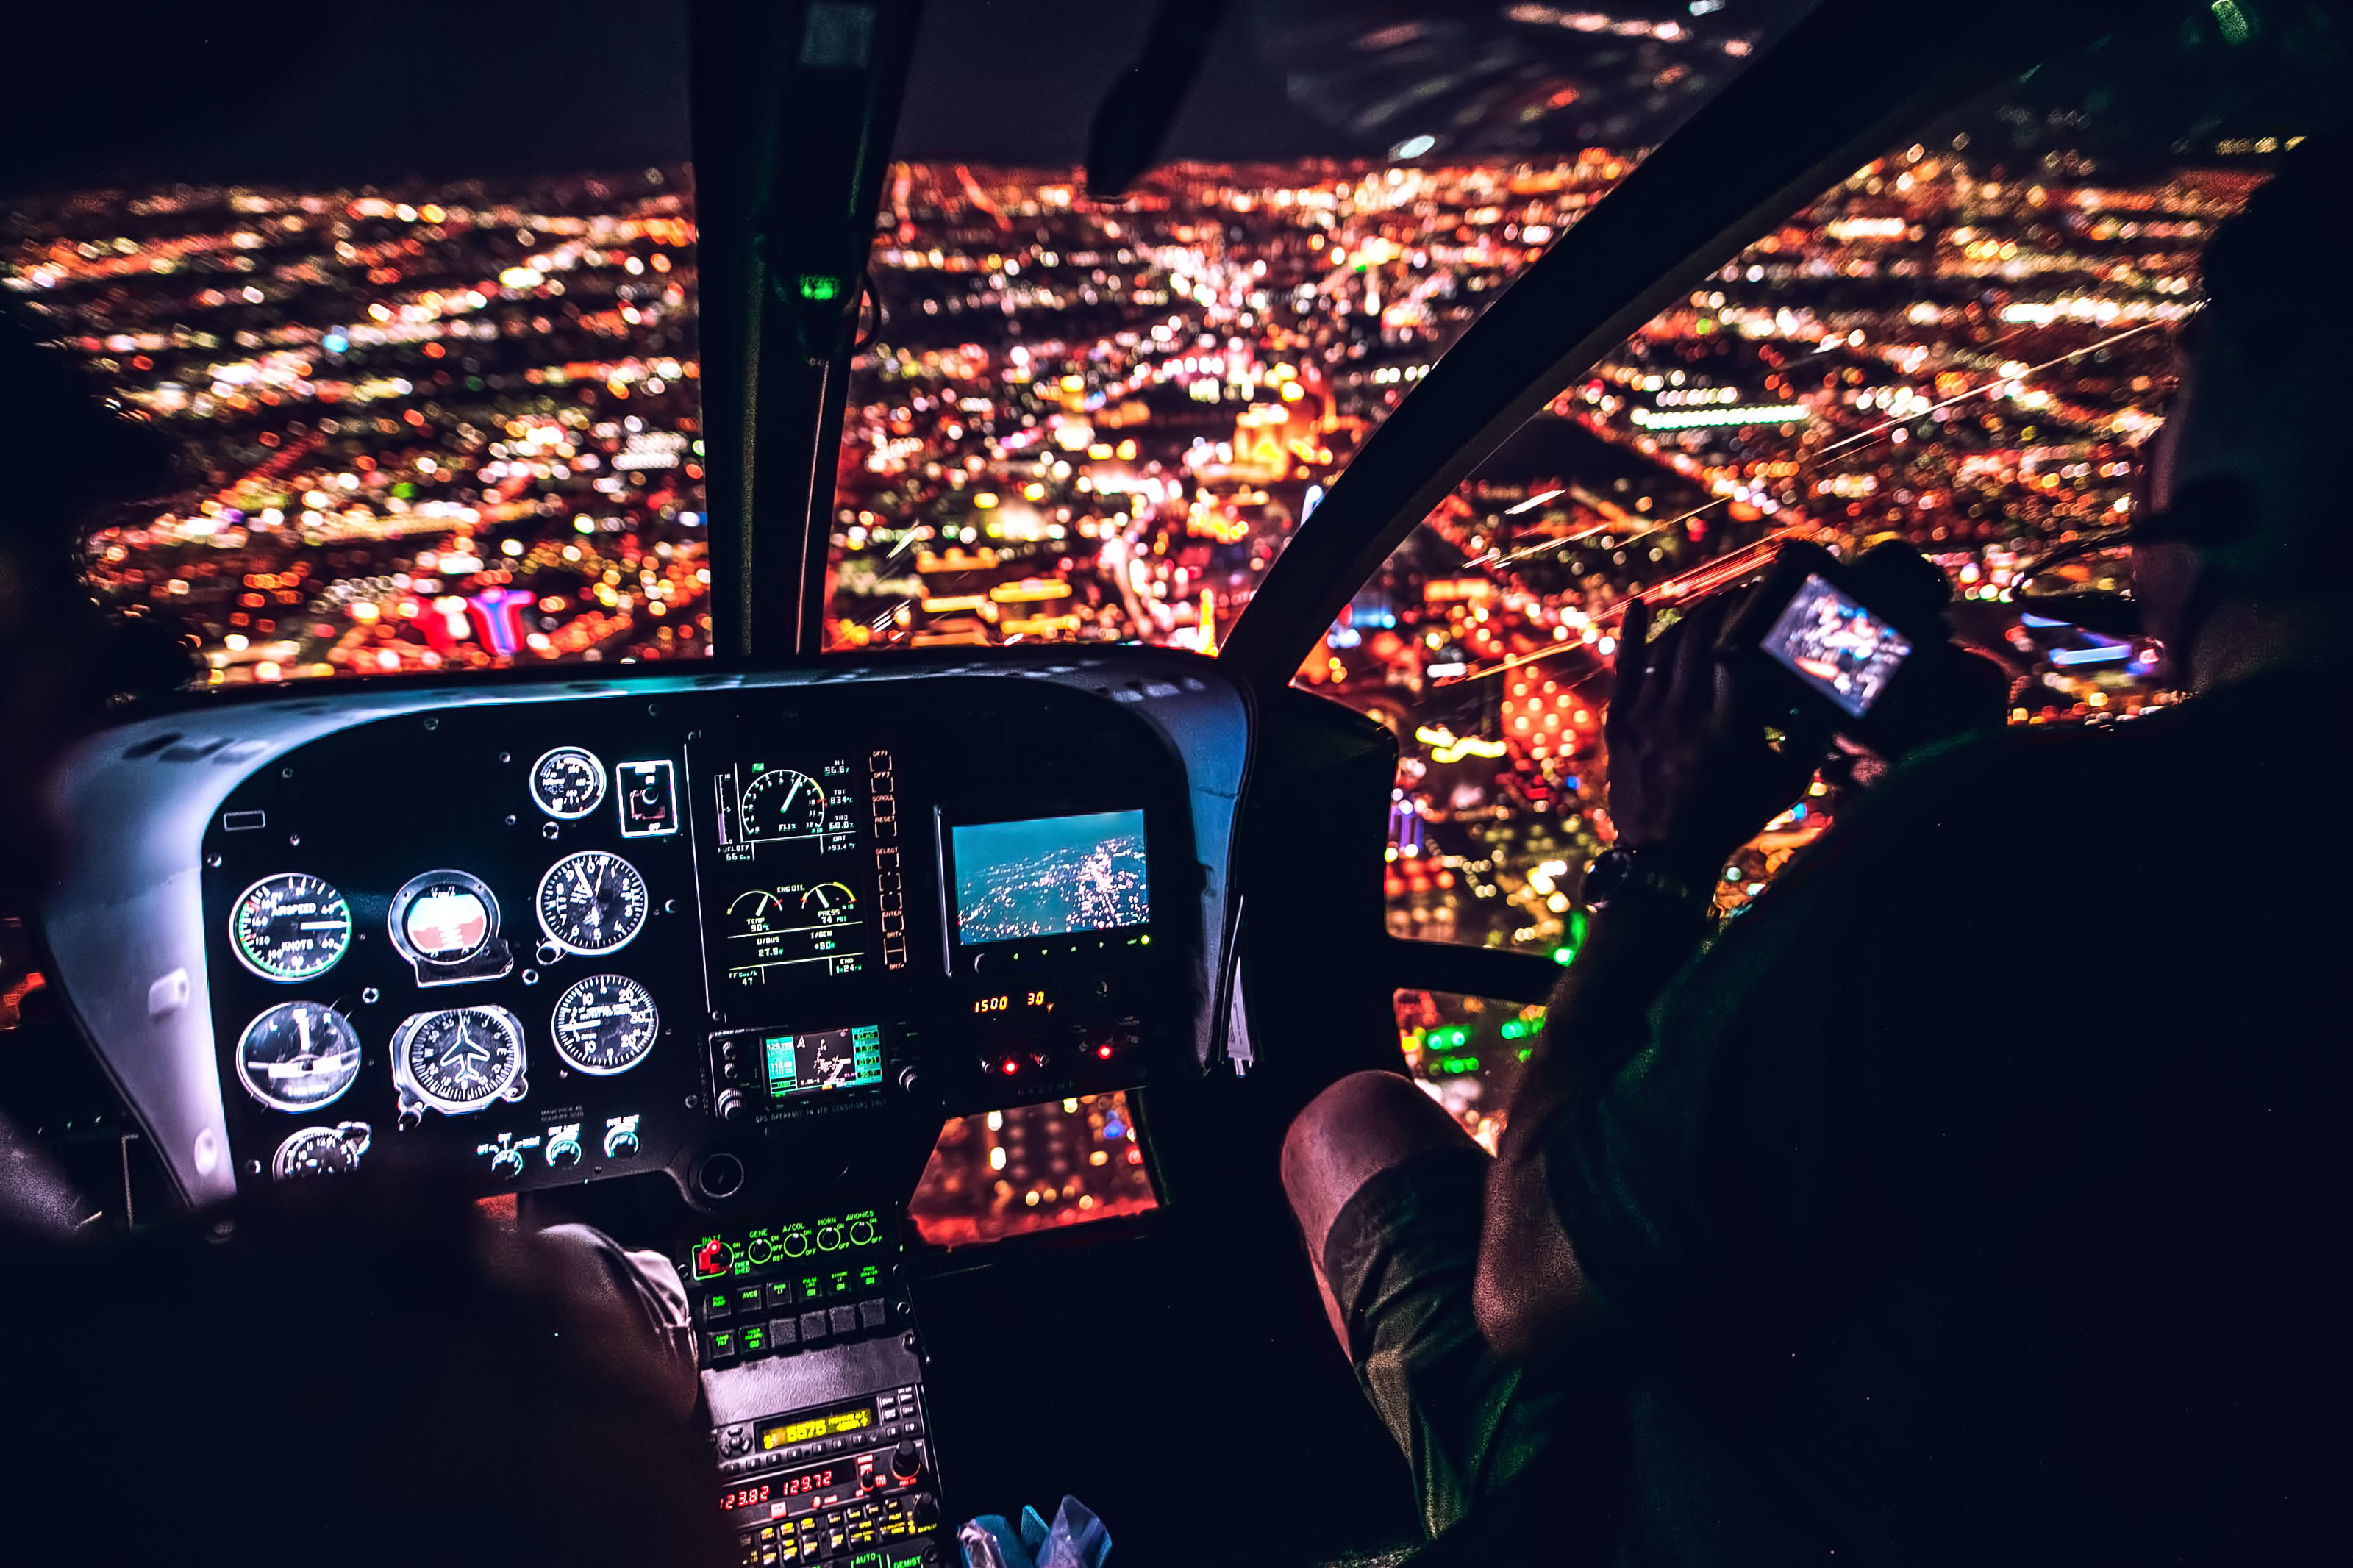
<point x="731" y="927"/>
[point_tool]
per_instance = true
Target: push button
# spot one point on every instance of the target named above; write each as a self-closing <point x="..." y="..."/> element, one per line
<point x="783" y="1333"/>
<point x="780" y="1294"/>
<point x="873" y="1315"/>
<point x="815" y="1329"/>
<point x="751" y="1340"/>
<point x="716" y="1308"/>
<point x="748" y="1299"/>
<point x="843" y="1318"/>
<point x="721" y="1344"/>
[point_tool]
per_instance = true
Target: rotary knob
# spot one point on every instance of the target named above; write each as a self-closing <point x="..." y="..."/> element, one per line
<point x="561" y="1155"/>
<point x="507" y="1165"/>
<point x="620" y="1143"/>
<point x="730" y="1106"/>
<point x="906" y="1462"/>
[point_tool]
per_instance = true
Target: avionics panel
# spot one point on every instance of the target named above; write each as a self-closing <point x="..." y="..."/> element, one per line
<point x="574" y="939"/>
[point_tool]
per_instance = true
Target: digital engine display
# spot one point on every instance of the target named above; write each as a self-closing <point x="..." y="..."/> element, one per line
<point x="1836" y="646"/>
<point x="1050" y="875"/>
<point x="814" y="1060"/>
<point x="822" y="1423"/>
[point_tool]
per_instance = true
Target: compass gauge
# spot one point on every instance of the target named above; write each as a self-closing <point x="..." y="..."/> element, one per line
<point x="568" y="783"/>
<point x="606" y="1025"/>
<point x="592" y="903"/>
<point x="290" y="927"/>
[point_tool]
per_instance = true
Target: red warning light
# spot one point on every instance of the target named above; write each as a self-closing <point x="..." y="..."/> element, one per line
<point x="1103" y="1051"/>
<point x="1009" y="1067"/>
<point x="710" y="1259"/>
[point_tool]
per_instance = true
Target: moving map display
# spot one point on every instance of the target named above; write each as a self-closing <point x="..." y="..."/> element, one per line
<point x="1049" y="877"/>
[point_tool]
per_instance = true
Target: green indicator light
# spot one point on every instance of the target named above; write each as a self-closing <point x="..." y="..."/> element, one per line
<point x="820" y="287"/>
<point x="1526" y="1052"/>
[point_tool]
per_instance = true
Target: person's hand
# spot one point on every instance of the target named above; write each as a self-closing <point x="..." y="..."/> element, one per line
<point x="1688" y="776"/>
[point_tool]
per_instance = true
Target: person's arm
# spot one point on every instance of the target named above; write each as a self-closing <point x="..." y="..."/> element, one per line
<point x="1688" y="784"/>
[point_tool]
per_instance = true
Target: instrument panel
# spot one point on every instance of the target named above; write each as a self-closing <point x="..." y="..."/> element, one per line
<point x="631" y="927"/>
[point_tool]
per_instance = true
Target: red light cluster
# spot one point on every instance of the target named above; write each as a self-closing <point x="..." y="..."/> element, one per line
<point x="1543" y="718"/>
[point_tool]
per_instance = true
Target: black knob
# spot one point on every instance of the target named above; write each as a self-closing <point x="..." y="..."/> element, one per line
<point x="507" y="1165"/>
<point x="925" y="1513"/>
<point x="562" y="1154"/>
<point x="910" y="1080"/>
<point x="730" y="1106"/>
<point x="906" y="1462"/>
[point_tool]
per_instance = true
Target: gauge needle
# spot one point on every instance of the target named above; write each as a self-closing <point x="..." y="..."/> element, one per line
<point x="302" y="1029"/>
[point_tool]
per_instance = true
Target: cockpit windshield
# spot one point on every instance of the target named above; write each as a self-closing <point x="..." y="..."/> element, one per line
<point x="1099" y="421"/>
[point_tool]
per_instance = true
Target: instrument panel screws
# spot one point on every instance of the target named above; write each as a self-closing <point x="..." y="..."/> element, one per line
<point x="531" y="977"/>
<point x="295" y="839"/>
<point x="286" y="773"/>
<point x="433" y="723"/>
<point x="506" y="756"/>
<point x="512" y="819"/>
<point x="369" y="994"/>
<point x="214" y="861"/>
<point x="549" y="830"/>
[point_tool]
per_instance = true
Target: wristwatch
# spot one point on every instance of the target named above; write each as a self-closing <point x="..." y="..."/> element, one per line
<point x="1617" y="872"/>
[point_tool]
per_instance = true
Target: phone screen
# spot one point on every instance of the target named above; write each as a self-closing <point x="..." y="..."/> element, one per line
<point x="1836" y="646"/>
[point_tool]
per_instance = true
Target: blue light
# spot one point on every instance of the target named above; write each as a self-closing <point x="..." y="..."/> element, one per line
<point x="2042" y="621"/>
<point x="336" y="343"/>
<point x="2089" y="655"/>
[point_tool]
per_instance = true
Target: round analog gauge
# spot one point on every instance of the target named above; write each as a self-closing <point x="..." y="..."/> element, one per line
<point x="290" y="927"/>
<point x="568" y="783"/>
<point x="459" y="1059"/>
<point x="605" y="1024"/>
<point x="592" y="903"/>
<point x="443" y="917"/>
<point x="321" y="1151"/>
<point x="298" y="1055"/>
<point x="782" y="804"/>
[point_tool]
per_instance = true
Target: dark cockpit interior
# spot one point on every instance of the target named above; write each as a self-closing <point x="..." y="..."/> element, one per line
<point x="859" y="642"/>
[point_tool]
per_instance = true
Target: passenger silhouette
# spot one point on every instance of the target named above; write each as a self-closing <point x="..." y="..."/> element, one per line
<point x="1973" y="1196"/>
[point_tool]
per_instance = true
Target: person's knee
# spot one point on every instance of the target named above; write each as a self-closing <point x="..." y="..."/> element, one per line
<point x="1359" y="1127"/>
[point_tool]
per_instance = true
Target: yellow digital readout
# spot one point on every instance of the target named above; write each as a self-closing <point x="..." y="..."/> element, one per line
<point x="816" y="1427"/>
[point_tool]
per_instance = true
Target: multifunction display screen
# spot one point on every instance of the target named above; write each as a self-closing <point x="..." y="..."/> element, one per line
<point x="1050" y="875"/>
<point x="800" y="884"/>
<point x="1836" y="646"/>
<point x="814" y="1060"/>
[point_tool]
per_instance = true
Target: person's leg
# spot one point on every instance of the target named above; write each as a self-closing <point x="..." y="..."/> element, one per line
<point x="1389" y="1191"/>
<point x="1366" y="1123"/>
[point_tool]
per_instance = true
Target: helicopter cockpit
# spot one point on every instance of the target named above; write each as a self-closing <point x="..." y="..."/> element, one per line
<point x="853" y="675"/>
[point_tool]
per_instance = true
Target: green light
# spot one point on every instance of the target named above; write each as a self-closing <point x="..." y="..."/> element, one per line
<point x="1564" y="955"/>
<point x="818" y="287"/>
<point x="1514" y="1029"/>
<point x="2235" y="27"/>
<point x="1526" y="1052"/>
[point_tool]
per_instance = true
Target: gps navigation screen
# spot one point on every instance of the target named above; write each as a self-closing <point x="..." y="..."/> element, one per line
<point x="1840" y="648"/>
<point x="1049" y="877"/>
